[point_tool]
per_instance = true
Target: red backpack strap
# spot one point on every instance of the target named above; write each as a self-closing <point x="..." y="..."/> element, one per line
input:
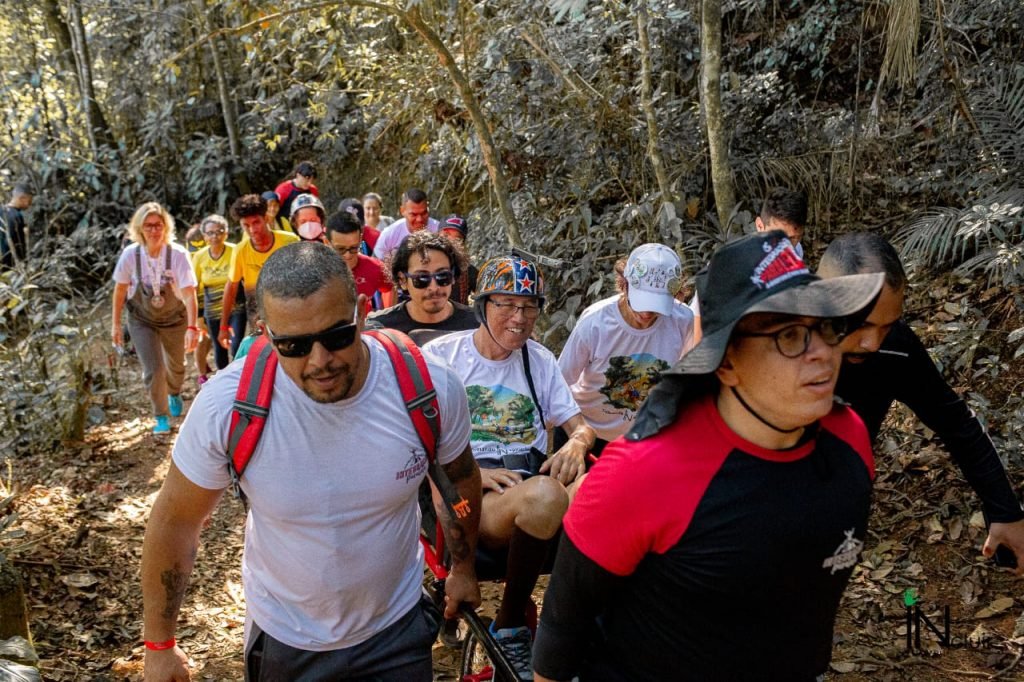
<point x="251" y="407"/>
<point x="421" y="402"/>
<point x="415" y="384"/>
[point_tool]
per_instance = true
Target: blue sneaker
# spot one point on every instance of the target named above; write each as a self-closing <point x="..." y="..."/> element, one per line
<point x="175" y="405"/>
<point x="163" y="425"/>
<point x="517" y="645"/>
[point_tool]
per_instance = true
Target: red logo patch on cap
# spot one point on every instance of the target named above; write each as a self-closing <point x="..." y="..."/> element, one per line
<point x="779" y="264"/>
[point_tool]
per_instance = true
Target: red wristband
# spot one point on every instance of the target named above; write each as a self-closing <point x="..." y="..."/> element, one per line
<point x="160" y="646"/>
<point x="191" y="328"/>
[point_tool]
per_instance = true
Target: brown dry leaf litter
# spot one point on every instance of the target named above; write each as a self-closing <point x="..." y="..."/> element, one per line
<point x="82" y="513"/>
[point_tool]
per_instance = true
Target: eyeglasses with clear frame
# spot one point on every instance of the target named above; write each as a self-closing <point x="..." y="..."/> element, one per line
<point x="530" y="312"/>
<point x="793" y="340"/>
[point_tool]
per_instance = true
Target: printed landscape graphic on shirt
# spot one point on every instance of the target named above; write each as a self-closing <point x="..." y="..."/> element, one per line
<point x="629" y="377"/>
<point x="500" y="414"/>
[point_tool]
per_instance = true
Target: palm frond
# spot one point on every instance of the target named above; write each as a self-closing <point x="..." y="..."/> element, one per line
<point x="986" y="236"/>
<point x="901" y="33"/>
<point x="998" y="107"/>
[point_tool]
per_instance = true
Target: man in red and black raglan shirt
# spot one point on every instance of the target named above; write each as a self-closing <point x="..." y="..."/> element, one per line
<point x="884" y="361"/>
<point x="714" y="541"/>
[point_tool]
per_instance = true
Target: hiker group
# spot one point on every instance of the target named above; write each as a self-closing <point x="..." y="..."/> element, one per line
<point x="682" y="468"/>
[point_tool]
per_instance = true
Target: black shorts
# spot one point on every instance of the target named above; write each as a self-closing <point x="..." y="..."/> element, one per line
<point x="400" y="652"/>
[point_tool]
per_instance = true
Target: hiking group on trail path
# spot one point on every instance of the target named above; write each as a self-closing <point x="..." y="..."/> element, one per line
<point x="701" y="500"/>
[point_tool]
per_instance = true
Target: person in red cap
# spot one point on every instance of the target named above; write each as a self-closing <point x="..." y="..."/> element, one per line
<point x="715" y="540"/>
<point x="456" y="228"/>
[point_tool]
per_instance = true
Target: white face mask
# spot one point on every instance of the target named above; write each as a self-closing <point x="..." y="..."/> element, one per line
<point x="311" y="231"/>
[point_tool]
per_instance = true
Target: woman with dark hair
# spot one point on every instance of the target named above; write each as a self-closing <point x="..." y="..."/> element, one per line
<point x="300" y="182"/>
<point x="154" y="280"/>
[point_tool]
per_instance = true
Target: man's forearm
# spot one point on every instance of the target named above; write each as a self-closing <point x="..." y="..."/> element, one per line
<point x="461" y="532"/>
<point x="168" y="555"/>
<point x="228" y="303"/>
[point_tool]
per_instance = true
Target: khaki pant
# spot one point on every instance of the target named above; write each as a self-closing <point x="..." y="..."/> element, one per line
<point x="161" y="351"/>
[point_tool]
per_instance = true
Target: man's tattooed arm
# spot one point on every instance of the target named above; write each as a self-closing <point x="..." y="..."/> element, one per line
<point x="461" y="533"/>
<point x="169" y="551"/>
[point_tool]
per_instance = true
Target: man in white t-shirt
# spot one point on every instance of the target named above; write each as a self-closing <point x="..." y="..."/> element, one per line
<point x="415" y="212"/>
<point x="332" y="566"/>
<point x="620" y="345"/>
<point x="525" y="495"/>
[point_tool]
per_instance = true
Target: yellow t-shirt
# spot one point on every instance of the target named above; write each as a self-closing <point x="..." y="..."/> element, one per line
<point x="246" y="262"/>
<point x="212" y="275"/>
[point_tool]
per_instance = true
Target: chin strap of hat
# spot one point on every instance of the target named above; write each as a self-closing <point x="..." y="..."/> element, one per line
<point x="759" y="418"/>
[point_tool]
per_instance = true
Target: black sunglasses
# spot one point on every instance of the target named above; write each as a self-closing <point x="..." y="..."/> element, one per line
<point x="333" y="339"/>
<point x="421" y="280"/>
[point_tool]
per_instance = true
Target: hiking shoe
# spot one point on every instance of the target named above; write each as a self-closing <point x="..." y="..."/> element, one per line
<point x="175" y="405"/>
<point x="517" y="645"/>
<point x="163" y="425"/>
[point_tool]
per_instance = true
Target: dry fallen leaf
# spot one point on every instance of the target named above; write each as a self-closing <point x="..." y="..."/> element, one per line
<point x="997" y="606"/>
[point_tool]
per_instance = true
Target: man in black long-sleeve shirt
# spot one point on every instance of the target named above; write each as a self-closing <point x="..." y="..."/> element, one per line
<point x="884" y="361"/>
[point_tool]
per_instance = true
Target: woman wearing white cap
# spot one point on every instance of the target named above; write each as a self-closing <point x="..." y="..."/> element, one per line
<point x="620" y="344"/>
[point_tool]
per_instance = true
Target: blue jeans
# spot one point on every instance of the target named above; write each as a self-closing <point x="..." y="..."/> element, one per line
<point x="237" y="322"/>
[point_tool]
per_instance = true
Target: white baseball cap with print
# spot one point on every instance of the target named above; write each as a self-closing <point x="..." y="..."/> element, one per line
<point x="654" y="275"/>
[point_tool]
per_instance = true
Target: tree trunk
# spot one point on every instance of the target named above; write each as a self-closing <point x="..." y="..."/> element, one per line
<point x="13" y="610"/>
<point x="647" y="103"/>
<point x="483" y="131"/>
<point x="711" y="102"/>
<point x="227" y="106"/>
<point x="96" y="123"/>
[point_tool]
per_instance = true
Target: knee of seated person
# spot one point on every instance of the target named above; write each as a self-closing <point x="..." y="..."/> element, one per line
<point x="543" y="506"/>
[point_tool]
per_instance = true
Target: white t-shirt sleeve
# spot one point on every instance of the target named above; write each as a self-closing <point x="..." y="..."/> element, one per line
<point x="576" y="353"/>
<point x="125" y="267"/>
<point x="181" y="266"/>
<point x="455" y="424"/>
<point x="199" y="451"/>
<point x="559" y="405"/>
<point x="388" y="241"/>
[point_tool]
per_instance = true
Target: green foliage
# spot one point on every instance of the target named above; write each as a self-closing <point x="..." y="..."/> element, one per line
<point x="45" y="361"/>
<point x="986" y="238"/>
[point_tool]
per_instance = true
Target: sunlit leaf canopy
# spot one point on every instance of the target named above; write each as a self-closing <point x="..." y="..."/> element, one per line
<point x="192" y="103"/>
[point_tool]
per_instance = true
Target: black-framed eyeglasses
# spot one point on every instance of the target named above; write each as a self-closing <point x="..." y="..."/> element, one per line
<point x="421" y="280"/>
<point x="346" y="250"/>
<point x="793" y="340"/>
<point x="333" y="339"/>
<point x="530" y="312"/>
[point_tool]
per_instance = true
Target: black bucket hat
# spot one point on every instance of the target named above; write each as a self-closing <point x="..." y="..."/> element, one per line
<point x="761" y="273"/>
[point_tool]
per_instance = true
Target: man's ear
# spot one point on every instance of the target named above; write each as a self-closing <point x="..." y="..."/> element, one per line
<point x="759" y="224"/>
<point x="726" y="373"/>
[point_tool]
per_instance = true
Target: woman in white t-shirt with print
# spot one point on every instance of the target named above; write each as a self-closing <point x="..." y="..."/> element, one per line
<point x="621" y="344"/>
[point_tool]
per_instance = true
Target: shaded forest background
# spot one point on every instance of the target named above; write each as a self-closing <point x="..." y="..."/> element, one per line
<point x="576" y="129"/>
